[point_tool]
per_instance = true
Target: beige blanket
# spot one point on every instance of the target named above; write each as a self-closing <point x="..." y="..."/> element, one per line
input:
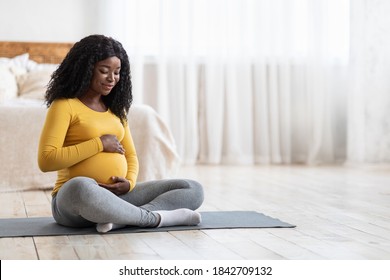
<point x="20" y="128"/>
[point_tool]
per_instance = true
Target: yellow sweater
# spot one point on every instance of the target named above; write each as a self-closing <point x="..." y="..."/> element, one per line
<point x="70" y="144"/>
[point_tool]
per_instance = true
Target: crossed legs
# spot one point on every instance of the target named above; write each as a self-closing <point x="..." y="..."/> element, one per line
<point x="82" y="202"/>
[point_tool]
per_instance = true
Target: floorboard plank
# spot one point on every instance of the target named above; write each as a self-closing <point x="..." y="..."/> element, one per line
<point x="55" y="248"/>
<point x="21" y="248"/>
<point x="207" y="247"/>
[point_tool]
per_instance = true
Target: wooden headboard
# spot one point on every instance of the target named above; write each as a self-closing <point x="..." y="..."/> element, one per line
<point x="38" y="51"/>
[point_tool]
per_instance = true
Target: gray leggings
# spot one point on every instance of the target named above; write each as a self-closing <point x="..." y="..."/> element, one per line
<point x="81" y="202"/>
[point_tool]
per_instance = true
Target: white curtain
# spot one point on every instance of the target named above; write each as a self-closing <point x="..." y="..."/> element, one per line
<point x="245" y="81"/>
<point x="369" y="95"/>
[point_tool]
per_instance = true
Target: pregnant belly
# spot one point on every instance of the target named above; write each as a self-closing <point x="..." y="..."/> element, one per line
<point x="101" y="167"/>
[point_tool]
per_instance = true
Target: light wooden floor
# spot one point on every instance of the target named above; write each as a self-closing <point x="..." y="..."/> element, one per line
<point x="340" y="213"/>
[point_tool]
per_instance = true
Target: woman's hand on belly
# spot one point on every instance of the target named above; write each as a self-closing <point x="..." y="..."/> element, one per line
<point x="119" y="186"/>
<point x="111" y="144"/>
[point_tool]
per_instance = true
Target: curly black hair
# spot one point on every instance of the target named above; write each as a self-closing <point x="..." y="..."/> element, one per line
<point x="73" y="76"/>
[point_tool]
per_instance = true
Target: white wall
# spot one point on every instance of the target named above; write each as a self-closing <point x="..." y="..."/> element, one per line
<point x="48" y="20"/>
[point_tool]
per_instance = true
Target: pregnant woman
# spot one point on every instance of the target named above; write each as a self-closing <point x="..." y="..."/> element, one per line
<point x="86" y="138"/>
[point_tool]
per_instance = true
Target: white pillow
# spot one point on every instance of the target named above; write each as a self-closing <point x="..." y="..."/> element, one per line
<point x="33" y="85"/>
<point x="35" y="66"/>
<point x="8" y="84"/>
<point x="18" y="61"/>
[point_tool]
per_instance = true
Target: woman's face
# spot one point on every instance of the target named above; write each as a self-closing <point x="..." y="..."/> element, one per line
<point x="105" y="75"/>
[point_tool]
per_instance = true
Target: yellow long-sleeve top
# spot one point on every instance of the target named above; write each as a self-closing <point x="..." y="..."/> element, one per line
<point x="70" y="144"/>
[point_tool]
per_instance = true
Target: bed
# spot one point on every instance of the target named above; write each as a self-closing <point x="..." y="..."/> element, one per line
<point x="25" y="70"/>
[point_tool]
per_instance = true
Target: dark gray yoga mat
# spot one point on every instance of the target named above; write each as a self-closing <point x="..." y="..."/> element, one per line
<point x="46" y="226"/>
